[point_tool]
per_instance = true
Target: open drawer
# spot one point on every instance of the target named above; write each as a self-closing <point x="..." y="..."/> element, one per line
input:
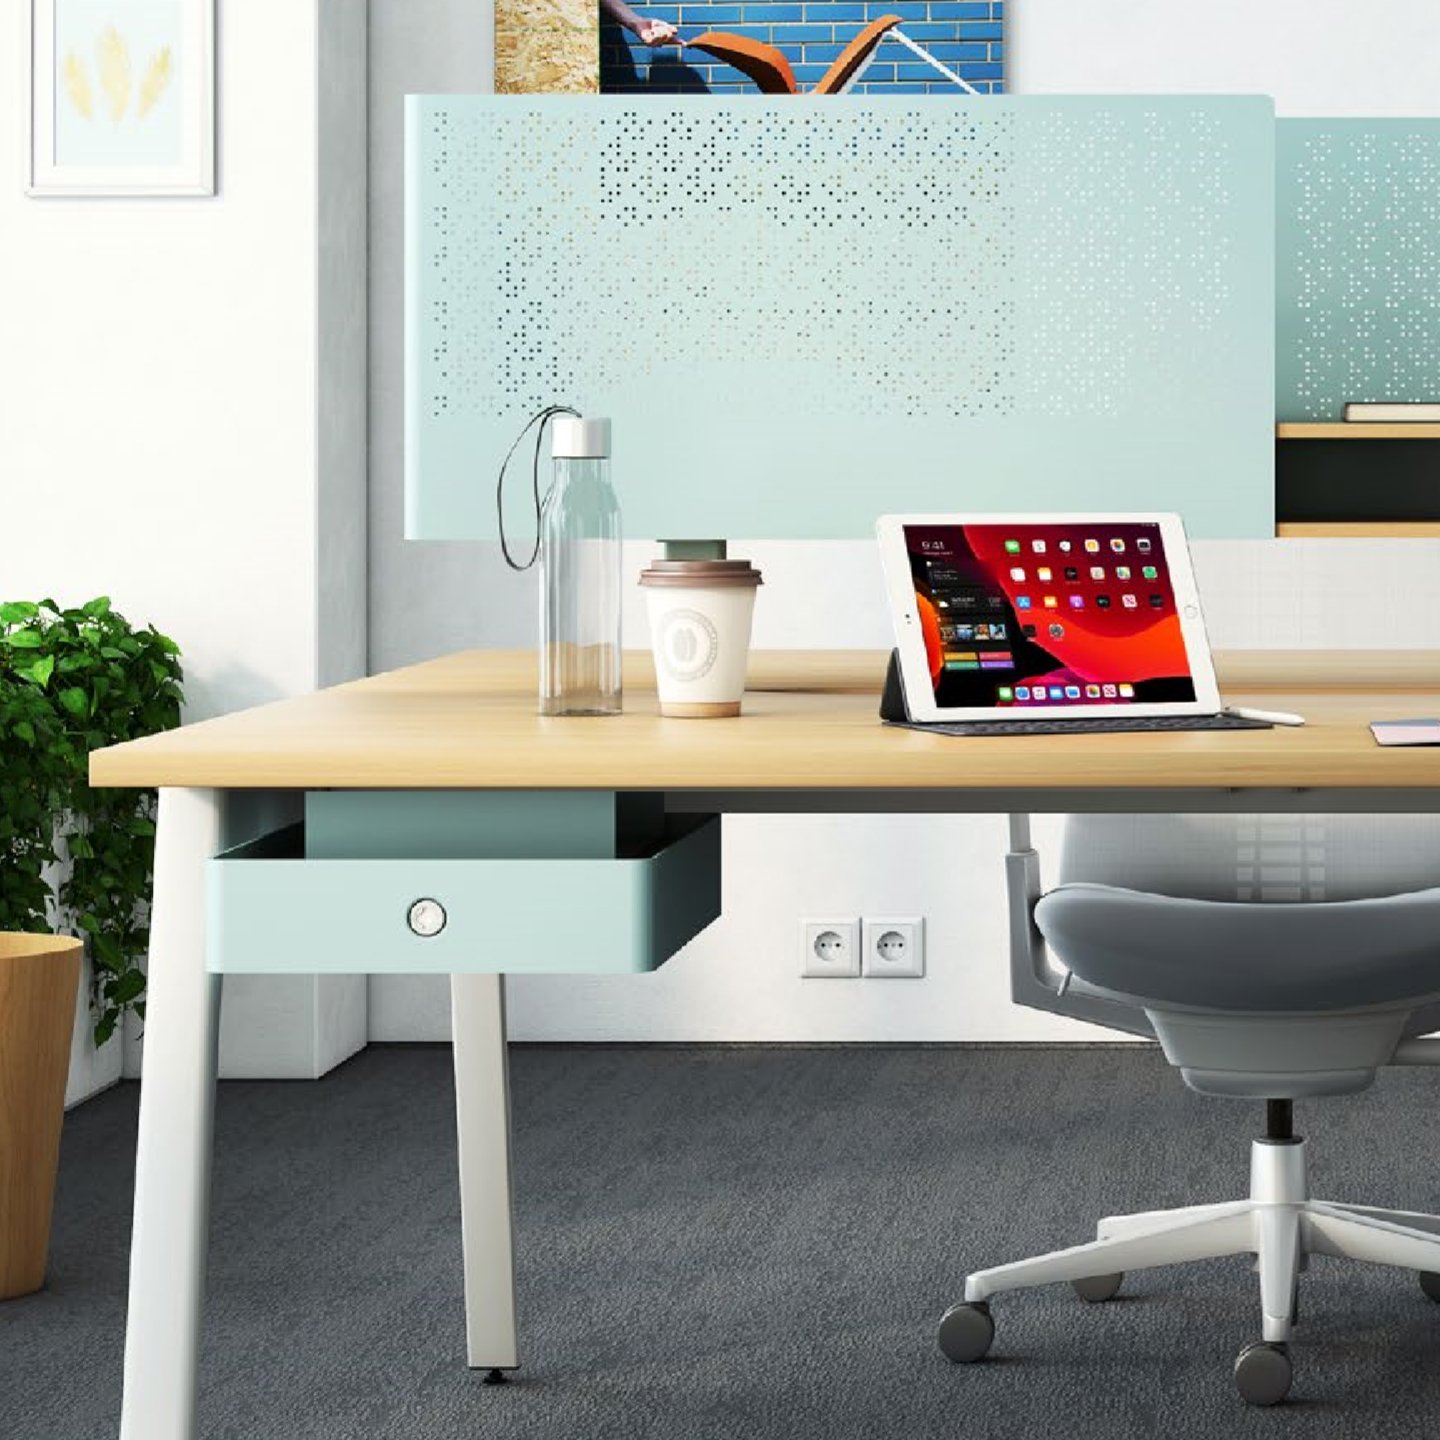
<point x="271" y="910"/>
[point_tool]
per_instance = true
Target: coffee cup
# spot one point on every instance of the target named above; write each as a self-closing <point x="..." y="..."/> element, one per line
<point x="700" y="613"/>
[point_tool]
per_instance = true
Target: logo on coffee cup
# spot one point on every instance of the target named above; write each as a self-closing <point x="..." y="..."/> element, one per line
<point x="688" y="644"/>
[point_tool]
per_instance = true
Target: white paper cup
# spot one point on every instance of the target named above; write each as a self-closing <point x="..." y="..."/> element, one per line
<point x="700" y="613"/>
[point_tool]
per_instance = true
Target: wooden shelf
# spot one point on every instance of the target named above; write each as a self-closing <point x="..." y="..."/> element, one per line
<point x="1358" y="529"/>
<point x="1357" y="430"/>
<point x="1324" y="476"/>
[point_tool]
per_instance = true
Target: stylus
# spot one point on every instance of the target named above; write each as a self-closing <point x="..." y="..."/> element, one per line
<point x="1275" y="717"/>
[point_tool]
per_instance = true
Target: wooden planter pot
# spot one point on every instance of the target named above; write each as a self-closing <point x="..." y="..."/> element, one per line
<point x="39" y="976"/>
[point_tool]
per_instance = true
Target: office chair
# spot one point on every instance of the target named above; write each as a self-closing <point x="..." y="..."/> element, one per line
<point x="770" y="70"/>
<point x="1275" y="958"/>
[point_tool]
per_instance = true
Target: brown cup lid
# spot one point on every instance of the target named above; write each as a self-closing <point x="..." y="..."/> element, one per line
<point x="695" y="574"/>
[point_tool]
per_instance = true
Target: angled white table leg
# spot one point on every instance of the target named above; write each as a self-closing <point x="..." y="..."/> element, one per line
<point x="177" y="1106"/>
<point x="482" y="1113"/>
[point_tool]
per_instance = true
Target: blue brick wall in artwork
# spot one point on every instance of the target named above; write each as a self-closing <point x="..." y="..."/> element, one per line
<point x="966" y="35"/>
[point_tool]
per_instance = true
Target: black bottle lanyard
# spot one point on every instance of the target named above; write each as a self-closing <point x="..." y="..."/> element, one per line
<point x="541" y="420"/>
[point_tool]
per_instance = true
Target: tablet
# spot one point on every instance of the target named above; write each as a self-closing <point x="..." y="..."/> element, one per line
<point x="1046" y="616"/>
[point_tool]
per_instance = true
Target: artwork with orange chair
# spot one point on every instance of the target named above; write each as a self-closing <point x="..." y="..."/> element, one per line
<point x="767" y="66"/>
<point x="767" y="47"/>
<point x="786" y="47"/>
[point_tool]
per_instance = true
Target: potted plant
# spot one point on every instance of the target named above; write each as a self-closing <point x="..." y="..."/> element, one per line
<point x="72" y="860"/>
<point x="39" y="978"/>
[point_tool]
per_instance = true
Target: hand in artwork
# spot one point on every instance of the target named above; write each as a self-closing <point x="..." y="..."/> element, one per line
<point x="647" y="32"/>
<point x="658" y="32"/>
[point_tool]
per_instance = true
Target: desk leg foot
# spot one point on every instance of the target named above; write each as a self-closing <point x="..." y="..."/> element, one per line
<point x="496" y="1376"/>
<point x="177" y="1106"/>
<point x="482" y="1112"/>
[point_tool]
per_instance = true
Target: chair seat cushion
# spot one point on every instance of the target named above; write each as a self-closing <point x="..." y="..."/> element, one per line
<point x="1246" y="956"/>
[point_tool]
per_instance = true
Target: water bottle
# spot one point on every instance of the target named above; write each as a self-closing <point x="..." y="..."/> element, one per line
<point x="580" y="575"/>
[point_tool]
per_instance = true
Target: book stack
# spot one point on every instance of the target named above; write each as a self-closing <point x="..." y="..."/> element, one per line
<point x="1373" y="412"/>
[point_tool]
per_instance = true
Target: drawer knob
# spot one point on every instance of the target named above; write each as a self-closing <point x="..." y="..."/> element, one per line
<point x="427" y="918"/>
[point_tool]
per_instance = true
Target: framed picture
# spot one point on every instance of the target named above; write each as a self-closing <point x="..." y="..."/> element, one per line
<point x="818" y="48"/>
<point x="122" y="97"/>
<point x="739" y="47"/>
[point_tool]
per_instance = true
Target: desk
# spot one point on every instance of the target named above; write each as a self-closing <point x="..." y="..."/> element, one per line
<point x="442" y="779"/>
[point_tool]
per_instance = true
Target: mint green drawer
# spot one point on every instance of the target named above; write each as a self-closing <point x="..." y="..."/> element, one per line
<point x="273" y="911"/>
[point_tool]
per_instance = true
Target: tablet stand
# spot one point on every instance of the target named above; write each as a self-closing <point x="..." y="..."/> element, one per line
<point x="892" y="698"/>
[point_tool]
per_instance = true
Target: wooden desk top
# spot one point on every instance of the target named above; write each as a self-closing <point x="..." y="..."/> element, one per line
<point x="468" y="721"/>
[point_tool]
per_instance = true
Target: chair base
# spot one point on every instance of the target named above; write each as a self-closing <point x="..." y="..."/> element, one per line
<point x="1279" y="1224"/>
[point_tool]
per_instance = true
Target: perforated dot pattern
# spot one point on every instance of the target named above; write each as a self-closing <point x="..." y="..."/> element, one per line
<point x="1129" y="218"/>
<point x="1359" y="264"/>
<point x="799" y="315"/>
<point x="926" y="260"/>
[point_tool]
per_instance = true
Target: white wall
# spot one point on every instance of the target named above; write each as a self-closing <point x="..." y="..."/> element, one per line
<point x="424" y="599"/>
<point x="738" y="981"/>
<point x="159" y="425"/>
<point x="1316" y="57"/>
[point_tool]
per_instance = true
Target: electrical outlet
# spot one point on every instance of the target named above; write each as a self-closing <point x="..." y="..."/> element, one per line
<point x="830" y="949"/>
<point x="894" y="948"/>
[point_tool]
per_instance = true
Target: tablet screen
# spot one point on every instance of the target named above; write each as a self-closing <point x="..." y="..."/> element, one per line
<point x="1017" y="614"/>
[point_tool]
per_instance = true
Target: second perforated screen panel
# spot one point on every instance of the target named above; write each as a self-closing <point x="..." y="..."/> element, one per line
<point x="800" y="316"/>
<point x="1358" y="264"/>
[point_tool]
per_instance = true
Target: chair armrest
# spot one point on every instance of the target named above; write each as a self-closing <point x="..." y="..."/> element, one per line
<point x="1029" y="959"/>
<point x="1036" y="982"/>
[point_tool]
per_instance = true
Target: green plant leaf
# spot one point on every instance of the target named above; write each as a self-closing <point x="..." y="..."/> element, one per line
<point x="129" y="987"/>
<point x="106" y="953"/>
<point x="24" y="639"/>
<point x="100" y="605"/>
<point x="38" y="671"/>
<point x="75" y="701"/>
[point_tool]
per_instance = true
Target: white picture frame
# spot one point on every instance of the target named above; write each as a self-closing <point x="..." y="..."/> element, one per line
<point x="90" y="103"/>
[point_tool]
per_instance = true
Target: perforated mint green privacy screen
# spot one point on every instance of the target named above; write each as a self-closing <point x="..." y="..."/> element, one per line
<point x="801" y="315"/>
<point x="1358" y="264"/>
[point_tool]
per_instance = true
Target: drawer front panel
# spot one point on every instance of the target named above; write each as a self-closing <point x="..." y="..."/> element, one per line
<point x="283" y="914"/>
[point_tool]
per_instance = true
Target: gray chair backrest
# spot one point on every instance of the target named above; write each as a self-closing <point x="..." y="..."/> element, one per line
<point x="1269" y="858"/>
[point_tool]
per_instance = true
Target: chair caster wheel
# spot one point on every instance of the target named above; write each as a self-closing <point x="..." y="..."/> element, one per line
<point x="1094" y="1289"/>
<point x="1263" y="1373"/>
<point x="966" y="1332"/>
<point x="1430" y="1284"/>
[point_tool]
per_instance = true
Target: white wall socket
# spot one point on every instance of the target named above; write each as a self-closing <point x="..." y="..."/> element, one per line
<point x="893" y="948"/>
<point x="830" y="949"/>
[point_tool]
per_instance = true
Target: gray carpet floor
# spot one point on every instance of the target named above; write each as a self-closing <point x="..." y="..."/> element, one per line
<point x="734" y="1243"/>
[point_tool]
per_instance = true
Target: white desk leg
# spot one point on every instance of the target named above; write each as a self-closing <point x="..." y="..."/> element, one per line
<point x="177" y="1104"/>
<point x="482" y="1112"/>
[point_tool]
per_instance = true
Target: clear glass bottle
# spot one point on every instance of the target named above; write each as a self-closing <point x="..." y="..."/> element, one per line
<point x="580" y="575"/>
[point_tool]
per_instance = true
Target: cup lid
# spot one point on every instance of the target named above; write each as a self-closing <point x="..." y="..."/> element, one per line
<point x="700" y="574"/>
<point x="579" y="437"/>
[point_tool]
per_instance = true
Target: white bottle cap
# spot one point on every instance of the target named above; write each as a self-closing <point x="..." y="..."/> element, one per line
<point x="579" y="438"/>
